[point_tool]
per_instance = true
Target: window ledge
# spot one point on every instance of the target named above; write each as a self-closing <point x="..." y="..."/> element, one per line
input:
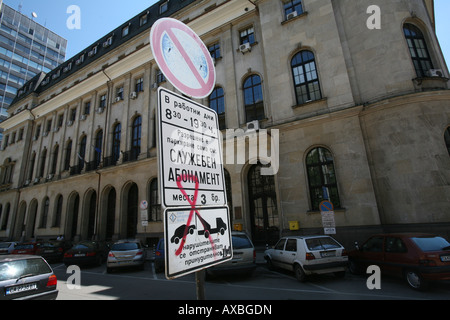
<point x="430" y="83"/>
<point x="302" y="15"/>
<point x="309" y="103"/>
<point x="336" y="210"/>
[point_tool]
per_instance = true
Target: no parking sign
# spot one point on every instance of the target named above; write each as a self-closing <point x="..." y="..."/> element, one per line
<point x="183" y="58"/>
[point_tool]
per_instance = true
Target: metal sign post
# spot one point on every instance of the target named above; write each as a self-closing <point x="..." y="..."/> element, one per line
<point x="192" y="186"/>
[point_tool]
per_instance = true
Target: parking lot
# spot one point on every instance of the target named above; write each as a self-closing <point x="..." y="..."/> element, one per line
<point x="264" y="284"/>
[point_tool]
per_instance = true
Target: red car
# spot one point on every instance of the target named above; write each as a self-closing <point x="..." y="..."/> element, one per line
<point x="417" y="257"/>
<point x="26" y="248"/>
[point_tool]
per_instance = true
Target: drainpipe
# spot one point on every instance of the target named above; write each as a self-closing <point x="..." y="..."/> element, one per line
<point x="105" y="130"/>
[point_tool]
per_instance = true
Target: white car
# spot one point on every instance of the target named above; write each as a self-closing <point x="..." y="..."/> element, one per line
<point x="307" y="255"/>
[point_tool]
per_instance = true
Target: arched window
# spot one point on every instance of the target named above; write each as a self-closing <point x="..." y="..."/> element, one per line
<point x="418" y="49"/>
<point x="447" y="139"/>
<point x="117" y="132"/>
<point x="42" y="167"/>
<point x="82" y="153"/>
<point x="44" y="215"/>
<point x="322" y="178"/>
<point x="4" y="222"/>
<point x="155" y="206"/>
<point x="253" y="98"/>
<point x="217" y="103"/>
<point x="136" y="138"/>
<point x="98" y="148"/>
<point x="58" y="211"/>
<point x="54" y="159"/>
<point x="68" y="155"/>
<point x="306" y="79"/>
<point x="31" y="169"/>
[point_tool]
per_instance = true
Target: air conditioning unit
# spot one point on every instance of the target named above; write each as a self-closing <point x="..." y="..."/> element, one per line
<point x="27" y="183"/>
<point x="83" y="117"/>
<point x="50" y="176"/>
<point x="56" y="129"/>
<point x="118" y="99"/>
<point x="133" y="95"/>
<point x="252" y="126"/>
<point x="291" y="15"/>
<point x="36" y="180"/>
<point x="246" y="47"/>
<point x="100" y="110"/>
<point x="435" y="73"/>
<point x="155" y="86"/>
<point x="45" y="134"/>
<point x="69" y="123"/>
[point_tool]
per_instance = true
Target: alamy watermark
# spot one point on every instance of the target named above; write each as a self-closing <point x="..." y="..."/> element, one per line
<point x="73" y="22"/>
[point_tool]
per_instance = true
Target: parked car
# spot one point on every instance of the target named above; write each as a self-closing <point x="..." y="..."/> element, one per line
<point x="244" y="257"/>
<point x="417" y="257"/>
<point x="307" y="255"/>
<point x="53" y="250"/>
<point x="159" y="256"/>
<point x="24" y="277"/>
<point x="26" y="248"/>
<point x="86" y="253"/>
<point x="7" y="247"/>
<point x="126" y="253"/>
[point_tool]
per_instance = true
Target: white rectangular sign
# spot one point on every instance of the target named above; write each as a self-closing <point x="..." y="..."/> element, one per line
<point x="196" y="239"/>
<point x="328" y="222"/>
<point x="190" y="153"/>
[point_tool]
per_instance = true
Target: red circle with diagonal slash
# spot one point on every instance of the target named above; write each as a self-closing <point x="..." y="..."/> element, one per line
<point x="166" y="27"/>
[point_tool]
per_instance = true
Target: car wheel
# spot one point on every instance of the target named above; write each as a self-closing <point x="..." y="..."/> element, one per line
<point x="415" y="280"/>
<point x="299" y="273"/>
<point x="270" y="264"/>
<point x="354" y="268"/>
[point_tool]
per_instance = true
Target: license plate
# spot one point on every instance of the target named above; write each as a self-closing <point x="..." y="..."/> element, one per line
<point x="79" y="255"/>
<point x="22" y="288"/>
<point x="327" y="254"/>
<point x="445" y="258"/>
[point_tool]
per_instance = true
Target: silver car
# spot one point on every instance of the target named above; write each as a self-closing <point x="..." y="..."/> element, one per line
<point x="126" y="253"/>
<point x="244" y="258"/>
<point x="24" y="277"/>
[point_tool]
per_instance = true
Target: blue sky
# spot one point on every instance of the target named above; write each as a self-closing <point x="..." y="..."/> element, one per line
<point x="98" y="17"/>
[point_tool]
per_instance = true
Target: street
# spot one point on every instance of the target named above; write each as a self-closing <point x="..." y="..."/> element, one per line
<point x="264" y="285"/>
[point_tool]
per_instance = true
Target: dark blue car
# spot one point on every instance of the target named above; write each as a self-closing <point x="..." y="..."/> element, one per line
<point x="159" y="256"/>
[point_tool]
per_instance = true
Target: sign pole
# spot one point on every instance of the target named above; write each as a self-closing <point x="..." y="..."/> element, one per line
<point x="200" y="283"/>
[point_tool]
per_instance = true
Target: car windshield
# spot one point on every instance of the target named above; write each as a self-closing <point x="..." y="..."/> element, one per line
<point x="324" y="243"/>
<point x="10" y="270"/>
<point x="85" y="245"/>
<point x="241" y="242"/>
<point x="24" y="246"/>
<point x="125" y="246"/>
<point x="431" y="243"/>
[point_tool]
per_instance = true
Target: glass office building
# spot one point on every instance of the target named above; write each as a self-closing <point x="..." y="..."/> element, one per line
<point x="26" y="48"/>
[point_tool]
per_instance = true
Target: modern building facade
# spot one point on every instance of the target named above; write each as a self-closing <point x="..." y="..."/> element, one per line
<point x="361" y="113"/>
<point x="26" y="49"/>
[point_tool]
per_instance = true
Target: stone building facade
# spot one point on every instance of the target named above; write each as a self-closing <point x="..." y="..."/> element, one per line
<point x="362" y="113"/>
